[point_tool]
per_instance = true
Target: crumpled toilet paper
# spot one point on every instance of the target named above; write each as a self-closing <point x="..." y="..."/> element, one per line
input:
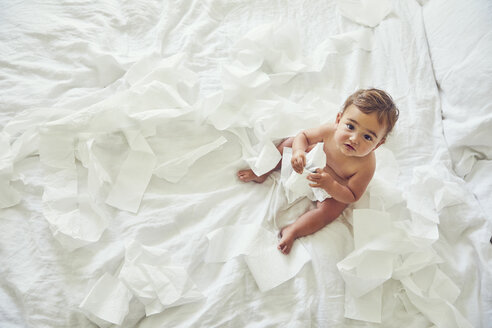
<point x="74" y="218"/>
<point x="433" y="293"/>
<point x="150" y="274"/>
<point x="147" y="273"/>
<point x="108" y="300"/>
<point x="166" y="91"/>
<point x="269" y="267"/>
<point x="297" y="185"/>
<point x="135" y="173"/>
<point x="267" y="158"/>
<point x="402" y="249"/>
<point x="86" y="167"/>
<point x="364" y="275"/>
<point x="177" y="168"/>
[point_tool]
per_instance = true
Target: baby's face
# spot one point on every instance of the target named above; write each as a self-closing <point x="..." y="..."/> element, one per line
<point x="357" y="133"/>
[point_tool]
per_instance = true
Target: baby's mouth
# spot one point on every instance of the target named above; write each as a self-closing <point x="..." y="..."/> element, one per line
<point x="349" y="147"/>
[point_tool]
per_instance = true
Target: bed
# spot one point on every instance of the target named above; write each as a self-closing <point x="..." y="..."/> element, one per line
<point x="123" y="125"/>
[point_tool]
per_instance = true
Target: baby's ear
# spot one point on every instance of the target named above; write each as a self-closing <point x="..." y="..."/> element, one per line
<point x="380" y="143"/>
<point x="339" y="116"/>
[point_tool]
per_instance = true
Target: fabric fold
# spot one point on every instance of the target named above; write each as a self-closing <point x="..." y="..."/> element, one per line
<point x="365" y="12"/>
<point x="8" y="195"/>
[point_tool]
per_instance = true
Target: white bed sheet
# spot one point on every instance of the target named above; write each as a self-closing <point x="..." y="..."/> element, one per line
<point x="460" y="43"/>
<point x="465" y="80"/>
<point x="120" y="86"/>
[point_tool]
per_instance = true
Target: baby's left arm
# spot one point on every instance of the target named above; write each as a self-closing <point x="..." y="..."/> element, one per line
<point x="344" y="193"/>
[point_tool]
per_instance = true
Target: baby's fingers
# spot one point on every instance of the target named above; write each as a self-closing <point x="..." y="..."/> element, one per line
<point x="313" y="176"/>
<point x="297" y="166"/>
<point x="303" y="161"/>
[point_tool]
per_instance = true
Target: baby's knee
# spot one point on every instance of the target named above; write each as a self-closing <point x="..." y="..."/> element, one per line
<point x="330" y="208"/>
<point x="285" y="143"/>
<point x="323" y="204"/>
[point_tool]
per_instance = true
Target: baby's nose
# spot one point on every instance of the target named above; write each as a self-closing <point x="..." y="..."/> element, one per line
<point x="354" y="138"/>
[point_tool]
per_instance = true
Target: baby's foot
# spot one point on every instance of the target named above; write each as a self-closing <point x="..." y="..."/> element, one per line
<point x="249" y="175"/>
<point x="286" y="239"/>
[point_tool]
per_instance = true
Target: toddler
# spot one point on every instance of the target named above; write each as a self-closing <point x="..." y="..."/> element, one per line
<point x="368" y="115"/>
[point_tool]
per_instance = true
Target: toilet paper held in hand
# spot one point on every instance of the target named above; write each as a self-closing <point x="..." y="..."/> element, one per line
<point x="297" y="185"/>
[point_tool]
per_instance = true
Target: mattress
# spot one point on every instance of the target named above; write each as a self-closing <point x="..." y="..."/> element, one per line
<point x="124" y="125"/>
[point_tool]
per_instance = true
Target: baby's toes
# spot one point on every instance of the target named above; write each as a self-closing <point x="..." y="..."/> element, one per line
<point x="282" y="246"/>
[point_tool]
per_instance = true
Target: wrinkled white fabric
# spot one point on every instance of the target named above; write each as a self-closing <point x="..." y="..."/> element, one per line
<point x="8" y="195"/>
<point x="229" y="242"/>
<point x="366" y="12"/>
<point x="106" y="100"/>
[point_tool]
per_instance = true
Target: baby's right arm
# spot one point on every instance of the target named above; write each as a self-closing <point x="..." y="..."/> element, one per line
<point x="298" y="160"/>
<point x="302" y="141"/>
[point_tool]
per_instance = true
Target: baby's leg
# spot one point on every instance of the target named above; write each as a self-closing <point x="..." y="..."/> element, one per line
<point x="249" y="175"/>
<point x="310" y="222"/>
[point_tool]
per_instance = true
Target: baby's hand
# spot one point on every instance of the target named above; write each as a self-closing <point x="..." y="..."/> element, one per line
<point x="298" y="161"/>
<point x="321" y="179"/>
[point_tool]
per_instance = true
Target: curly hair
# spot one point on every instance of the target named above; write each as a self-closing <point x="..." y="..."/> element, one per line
<point x="375" y="100"/>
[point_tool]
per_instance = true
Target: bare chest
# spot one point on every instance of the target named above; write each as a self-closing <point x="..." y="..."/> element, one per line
<point x="340" y="167"/>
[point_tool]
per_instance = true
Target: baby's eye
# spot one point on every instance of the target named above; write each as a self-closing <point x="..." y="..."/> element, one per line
<point x="368" y="137"/>
<point x="349" y="126"/>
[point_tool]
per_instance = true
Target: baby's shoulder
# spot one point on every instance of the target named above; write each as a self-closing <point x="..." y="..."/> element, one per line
<point x="327" y="130"/>
<point x="330" y="126"/>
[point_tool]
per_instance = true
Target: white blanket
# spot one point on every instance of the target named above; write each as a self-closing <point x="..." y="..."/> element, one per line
<point x="123" y="127"/>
